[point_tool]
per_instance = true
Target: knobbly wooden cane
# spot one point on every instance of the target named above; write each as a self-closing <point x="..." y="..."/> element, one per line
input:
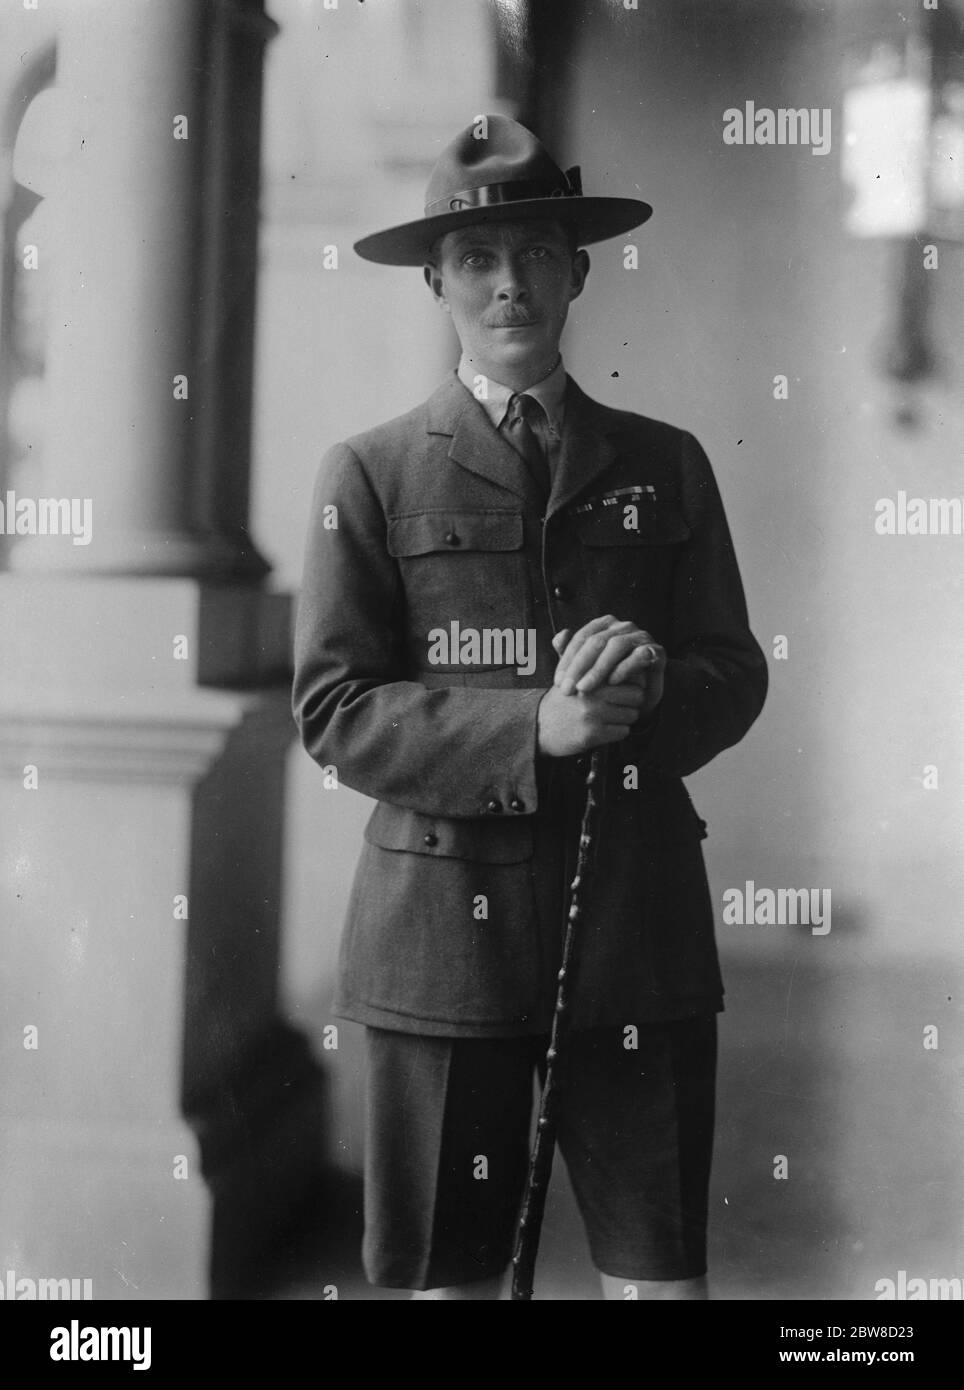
<point x="540" y="1162"/>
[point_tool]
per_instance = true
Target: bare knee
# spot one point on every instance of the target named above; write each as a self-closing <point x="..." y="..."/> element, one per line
<point x="629" y="1290"/>
<point x="478" y="1290"/>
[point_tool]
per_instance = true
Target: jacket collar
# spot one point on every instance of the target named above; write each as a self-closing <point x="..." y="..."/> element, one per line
<point x="588" y="446"/>
<point x="549" y="393"/>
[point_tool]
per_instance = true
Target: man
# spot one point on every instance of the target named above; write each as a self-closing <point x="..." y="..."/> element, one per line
<point x="497" y="583"/>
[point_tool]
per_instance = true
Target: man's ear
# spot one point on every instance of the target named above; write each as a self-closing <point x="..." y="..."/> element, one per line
<point x="433" y="278"/>
<point x="580" y="269"/>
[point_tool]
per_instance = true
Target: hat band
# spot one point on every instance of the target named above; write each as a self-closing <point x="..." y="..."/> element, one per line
<point x="520" y="190"/>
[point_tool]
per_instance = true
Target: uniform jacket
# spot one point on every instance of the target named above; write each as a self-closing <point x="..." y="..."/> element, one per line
<point x="458" y="904"/>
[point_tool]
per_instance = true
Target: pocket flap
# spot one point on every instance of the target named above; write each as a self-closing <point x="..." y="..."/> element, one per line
<point x="484" y="839"/>
<point x="658" y="523"/>
<point x="421" y="533"/>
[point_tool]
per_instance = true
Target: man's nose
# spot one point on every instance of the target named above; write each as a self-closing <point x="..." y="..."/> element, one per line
<point x="512" y="284"/>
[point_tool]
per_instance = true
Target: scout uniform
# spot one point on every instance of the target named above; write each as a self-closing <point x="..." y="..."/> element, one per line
<point x="456" y="917"/>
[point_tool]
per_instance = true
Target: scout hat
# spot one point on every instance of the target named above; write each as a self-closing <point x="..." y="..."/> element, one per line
<point x="503" y="174"/>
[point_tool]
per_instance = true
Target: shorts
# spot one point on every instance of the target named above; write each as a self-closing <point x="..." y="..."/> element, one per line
<point x="448" y="1142"/>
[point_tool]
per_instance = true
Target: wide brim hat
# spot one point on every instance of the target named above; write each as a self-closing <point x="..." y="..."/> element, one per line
<point x="498" y="171"/>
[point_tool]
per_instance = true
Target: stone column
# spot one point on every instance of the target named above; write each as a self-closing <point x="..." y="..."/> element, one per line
<point x="158" y="1122"/>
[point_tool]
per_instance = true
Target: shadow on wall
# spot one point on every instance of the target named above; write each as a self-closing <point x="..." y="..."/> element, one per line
<point x="252" y="1088"/>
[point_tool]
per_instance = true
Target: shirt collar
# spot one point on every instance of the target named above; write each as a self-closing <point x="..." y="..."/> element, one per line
<point x="550" y="393"/>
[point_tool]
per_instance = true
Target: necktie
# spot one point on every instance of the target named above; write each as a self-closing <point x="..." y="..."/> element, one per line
<point x="523" y="412"/>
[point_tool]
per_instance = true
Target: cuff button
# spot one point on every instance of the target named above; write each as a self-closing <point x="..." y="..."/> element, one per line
<point x="430" y="839"/>
<point x="517" y="804"/>
<point x="494" y="807"/>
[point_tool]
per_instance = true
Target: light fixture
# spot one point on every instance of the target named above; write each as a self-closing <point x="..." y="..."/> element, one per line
<point x="903" y="160"/>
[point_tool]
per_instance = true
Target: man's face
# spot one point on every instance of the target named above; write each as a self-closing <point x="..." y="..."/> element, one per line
<point x="508" y="287"/>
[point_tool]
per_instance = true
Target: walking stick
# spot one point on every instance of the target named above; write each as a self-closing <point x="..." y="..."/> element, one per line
<point x="540" y="1162"/>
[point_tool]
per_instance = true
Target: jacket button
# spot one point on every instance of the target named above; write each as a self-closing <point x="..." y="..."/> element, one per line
<point x="431" y="840"/>
<point x="494" y="807"/>
<point x="452" y="538"/>
<point x="516" y="804"/>
<point x="560" y="592"/>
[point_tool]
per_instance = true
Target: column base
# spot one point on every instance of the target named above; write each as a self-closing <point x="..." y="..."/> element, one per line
<point x="140" y="890"/>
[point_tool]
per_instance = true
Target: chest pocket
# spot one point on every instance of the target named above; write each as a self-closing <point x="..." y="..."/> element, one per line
<point x="465" y="567"/>
<point x="628" y="558"/>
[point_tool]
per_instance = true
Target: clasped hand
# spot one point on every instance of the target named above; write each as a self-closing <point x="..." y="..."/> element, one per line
<point x="609" y="676"/>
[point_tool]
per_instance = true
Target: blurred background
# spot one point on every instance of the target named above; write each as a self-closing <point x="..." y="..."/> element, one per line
<point x="184" y="330"/>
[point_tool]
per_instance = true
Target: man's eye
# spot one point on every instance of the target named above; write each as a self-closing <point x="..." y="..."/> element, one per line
<point x="537" y="252"/>
<point x="475" y="259"/>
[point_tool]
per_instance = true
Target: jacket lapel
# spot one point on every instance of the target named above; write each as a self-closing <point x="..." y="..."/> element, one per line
<point x="588" y="447"/>
<point x="475" y="442"/>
